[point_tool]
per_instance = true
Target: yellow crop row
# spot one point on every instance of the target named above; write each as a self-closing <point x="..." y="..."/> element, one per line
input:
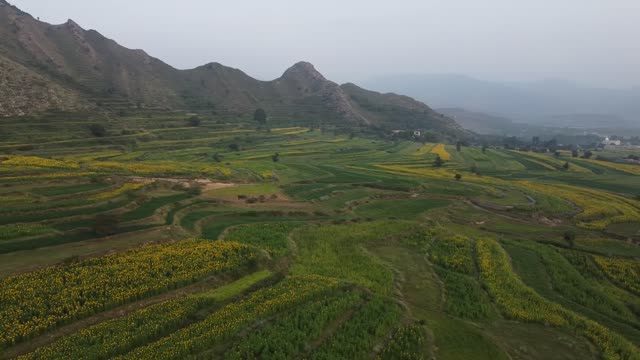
<point x="14" y="198"/>
<point x="266" y="156"/>
<point x="300" y="142"/>
<point x="286" y="129"/>
<point x="35" y="161"/>
<point x="296" y="132"/>
<point x="454" y="252"/>
<point x="139" y="168"/>
<point x="546" y="160"/>
<point x="599" y="208"/>
<point x="92" y="156"/>
<point x="441" y="151"/>
<point x="439" y="173"/>
<point x="520" y="302"/>
<point x="119" y="191"/>
<point x="49" y="175"/>
<point x="207" y="333"/>
<point x="622" y="271"/>
<point x="627" y="168"/>
<point x="267" y="174"/>
<point x="34" y="302"/>
<point x="160" y="168"/>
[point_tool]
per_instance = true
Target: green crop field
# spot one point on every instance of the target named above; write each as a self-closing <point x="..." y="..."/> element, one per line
<point x="223" y="240"/>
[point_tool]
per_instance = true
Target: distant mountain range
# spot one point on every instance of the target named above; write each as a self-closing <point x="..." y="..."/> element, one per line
<point x="47" y="67"/>
<point x="546" y="103"/>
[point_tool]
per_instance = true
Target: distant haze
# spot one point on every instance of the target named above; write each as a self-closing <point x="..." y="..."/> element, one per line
<point x="593" y="42"/>
<point x="552" y="103"/>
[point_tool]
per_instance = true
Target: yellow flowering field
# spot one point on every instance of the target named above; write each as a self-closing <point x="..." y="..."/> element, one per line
<point x="118" y="336"/>
<point x="333" y="141"/>
<point x="160" y="168"/>
<point x="138" y="168"/>
<point x="28" y="162"/>
<point x="550" y="162"/>
<point x="623" y="271"/>
<point x="48" y="176"/>
<point x="227" y="321"/>
<point x="599" y="208"/>
<point x="627" y="168"/>
<point x="453" y="252"/>
<point x="34" y="302"/>
<point x="442" y="151"/>
<point x="116" y="192"/>
<point x="519" y="302"/>
<point x="296" y="132"/>
<point x="92" y="156"/>
<point x="286" y="129"/>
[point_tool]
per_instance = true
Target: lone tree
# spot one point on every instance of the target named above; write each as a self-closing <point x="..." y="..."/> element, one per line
<point x="566" y="165"/>
<point x="458" y="146"/>
<point x="438" y="162"/>
<point x="194" y="121"/>
<point x="260" y="116"/>
<point x="105" y="224"/>
<point x="570" y="237"/>
<point x="484" y="149"/>
<point x="98" y="130"/>
<point x="458" y="177"/>
<point x="574" y="153"/>
<point x="587" y="154"/>
<point x="275" y="157"/>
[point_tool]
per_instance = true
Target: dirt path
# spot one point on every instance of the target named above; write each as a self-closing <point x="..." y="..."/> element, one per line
<point x="205" y="183"/>
<point x="417" y="287"/>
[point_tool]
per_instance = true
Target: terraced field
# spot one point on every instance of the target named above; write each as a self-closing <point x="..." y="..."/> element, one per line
<point x="227" y="240"/>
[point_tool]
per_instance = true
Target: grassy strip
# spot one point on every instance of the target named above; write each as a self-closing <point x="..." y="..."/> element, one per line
<point x="355" y="339"/>
<point x="408" y="343"/>
<point x="291" y="335"/>
<point x="14" y="231"/>
<point x="68" y="189"/>
<point x="272" y="237"/>
<point x="59" y="239"/>
<point x="148" y="208"/>
<point x="19" y="218"/>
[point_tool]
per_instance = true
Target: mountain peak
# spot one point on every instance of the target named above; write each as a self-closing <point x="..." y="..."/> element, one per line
<point x="71" y="24"/>
<point x="303" y="71"/>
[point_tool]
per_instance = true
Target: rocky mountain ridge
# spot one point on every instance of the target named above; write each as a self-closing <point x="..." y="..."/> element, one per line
<point x="66" y="67"/>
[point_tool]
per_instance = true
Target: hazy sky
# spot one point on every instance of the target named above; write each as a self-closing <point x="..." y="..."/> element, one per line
<point x="590" y="41"/>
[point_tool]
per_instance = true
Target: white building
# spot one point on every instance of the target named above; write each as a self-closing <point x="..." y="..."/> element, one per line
<point x="608" y="142"/>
